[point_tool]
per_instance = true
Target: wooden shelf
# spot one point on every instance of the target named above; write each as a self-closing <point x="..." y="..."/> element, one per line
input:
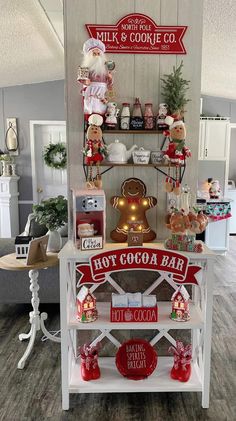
<point x="112" y="381"/>
<point x="164" y="320"/>
<point x="115" y="131"/>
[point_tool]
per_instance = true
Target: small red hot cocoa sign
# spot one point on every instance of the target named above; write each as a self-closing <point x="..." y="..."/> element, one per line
<point x="137" y="33"/>
<point x="134" y="315"/>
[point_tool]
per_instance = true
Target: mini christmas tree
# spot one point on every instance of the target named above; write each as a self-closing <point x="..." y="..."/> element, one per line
<point x="174" y="91"/>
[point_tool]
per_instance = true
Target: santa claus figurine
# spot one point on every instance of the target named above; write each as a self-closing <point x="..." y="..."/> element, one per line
<point x="95" y="76"/>
<point x="95" y="150"/>
<point x="176" y="151"/>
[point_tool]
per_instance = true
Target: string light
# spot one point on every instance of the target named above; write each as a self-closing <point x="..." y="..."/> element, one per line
<point x="121" y="202"/>
<point x="133" y="207"/>
<point x="133" y="218"/>
<point x="145" y="202"/>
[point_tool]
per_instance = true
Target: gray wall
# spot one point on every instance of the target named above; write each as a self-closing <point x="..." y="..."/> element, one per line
<point x="40" y="101"/>
<point x="227" y="108"/>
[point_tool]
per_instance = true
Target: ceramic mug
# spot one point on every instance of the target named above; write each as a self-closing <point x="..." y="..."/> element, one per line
<point x="83" y="73"/>
<point x="85" y="230"/>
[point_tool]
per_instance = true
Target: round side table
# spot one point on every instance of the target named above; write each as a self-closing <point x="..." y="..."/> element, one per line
<point x="9" y="262"/>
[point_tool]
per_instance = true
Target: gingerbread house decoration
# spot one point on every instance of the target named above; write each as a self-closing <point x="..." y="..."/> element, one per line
<point x="180" y="305"/>
<point x="22" y="243"/>
<point x="86" y="306"/>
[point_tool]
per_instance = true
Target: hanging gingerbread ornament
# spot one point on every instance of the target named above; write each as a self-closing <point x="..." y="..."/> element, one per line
<point x="95" y="150"/>
<point x="133" y="204"/>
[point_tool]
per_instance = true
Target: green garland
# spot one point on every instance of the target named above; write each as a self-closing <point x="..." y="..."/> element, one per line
<point x="54" y="155"/>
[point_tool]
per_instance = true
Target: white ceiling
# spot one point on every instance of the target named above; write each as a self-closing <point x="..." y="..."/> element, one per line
<point x="219" y="48"/>
<point x="31" y="47"/>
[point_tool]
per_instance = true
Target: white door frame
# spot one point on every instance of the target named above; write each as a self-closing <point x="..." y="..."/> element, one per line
<point x="33" y="124"/>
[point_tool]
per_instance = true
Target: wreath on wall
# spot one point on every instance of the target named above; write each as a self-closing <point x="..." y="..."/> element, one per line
<point x="54" y="155"/>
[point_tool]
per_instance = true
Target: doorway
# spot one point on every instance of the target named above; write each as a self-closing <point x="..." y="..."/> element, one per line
<point x="46" y="181"/>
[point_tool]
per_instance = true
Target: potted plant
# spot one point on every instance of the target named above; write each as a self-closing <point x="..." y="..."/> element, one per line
<point x="52" y="213"/>
<point x="174" y="92"/>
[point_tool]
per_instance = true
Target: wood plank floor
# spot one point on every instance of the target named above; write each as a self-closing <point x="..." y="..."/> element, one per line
<point x="34" y="393"/>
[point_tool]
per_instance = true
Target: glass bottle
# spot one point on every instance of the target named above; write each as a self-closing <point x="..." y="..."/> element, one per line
<point x="137" y="110"/>
<point x="137" y="121"/>
<point x="125" y="116"/>
<point x="148" y="116"/>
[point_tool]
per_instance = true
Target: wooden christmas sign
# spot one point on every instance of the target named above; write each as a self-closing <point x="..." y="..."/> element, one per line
<point x="136" y="359"/>
<point x="135" y="238"/>
<point x="91" y="243"/>
<point x="139" y="34"/>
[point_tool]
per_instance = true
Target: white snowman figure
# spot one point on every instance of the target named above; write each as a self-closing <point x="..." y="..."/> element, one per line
<point x="111" y="115"/>
<point x="214" y="190"/>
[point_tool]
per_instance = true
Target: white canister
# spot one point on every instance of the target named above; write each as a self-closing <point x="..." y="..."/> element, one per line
<point x="141" y="156"/>
<point x="125" y="116"/>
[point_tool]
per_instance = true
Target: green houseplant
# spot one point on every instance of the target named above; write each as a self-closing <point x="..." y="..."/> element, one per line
<point x="53" y="213"/>
<point x="174" y="90"/>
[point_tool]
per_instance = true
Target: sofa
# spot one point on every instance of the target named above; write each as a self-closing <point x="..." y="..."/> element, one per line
<point x="14" y="285"/>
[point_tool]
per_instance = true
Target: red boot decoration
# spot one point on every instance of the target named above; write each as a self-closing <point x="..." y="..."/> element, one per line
<point x="181" y="369"/>
<point x="95" y="367"/>
<point x="185" y="364"/>
<point x="89" y="362"/>
<point x="174" y="374"/>
<point x="86" y="372"/>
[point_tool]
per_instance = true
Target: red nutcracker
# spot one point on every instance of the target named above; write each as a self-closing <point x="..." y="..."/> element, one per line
<point x="95" y="150"/>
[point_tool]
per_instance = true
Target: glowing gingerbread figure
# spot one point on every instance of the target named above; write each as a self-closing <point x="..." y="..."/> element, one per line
<point x="133" y="205"/>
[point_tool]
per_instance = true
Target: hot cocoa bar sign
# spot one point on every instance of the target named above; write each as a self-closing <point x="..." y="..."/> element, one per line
<point x="138" y="258"/>
<point x="137" y="33"/>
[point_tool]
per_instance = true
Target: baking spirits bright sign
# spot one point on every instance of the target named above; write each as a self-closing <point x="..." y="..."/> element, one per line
<point x="139" y="34"/>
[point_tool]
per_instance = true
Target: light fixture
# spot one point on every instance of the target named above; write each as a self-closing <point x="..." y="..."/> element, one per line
<point x="11" y="136"/>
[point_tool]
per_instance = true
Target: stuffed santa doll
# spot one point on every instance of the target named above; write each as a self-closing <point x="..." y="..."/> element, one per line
<point x="95" y="150"/>
<point x="176" y="151"/>
<point x="95" y="76"/>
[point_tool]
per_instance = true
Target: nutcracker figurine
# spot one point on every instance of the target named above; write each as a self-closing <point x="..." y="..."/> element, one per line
<point x="95" y="150"/>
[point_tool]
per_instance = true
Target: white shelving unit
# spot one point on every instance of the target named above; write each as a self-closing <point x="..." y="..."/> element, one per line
<point x="111" y="380"/>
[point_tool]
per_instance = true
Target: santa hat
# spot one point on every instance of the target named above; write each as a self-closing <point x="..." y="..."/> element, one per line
<point x="92" y="43"/>
<point x="173" y="122"/>
<point x="95" y="120"/>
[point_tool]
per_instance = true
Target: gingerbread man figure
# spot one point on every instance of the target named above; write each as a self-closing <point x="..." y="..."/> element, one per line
<point x="133" y="205"/>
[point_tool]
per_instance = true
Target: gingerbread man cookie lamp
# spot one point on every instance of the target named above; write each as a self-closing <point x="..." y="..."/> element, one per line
<point x="133" y="204"/>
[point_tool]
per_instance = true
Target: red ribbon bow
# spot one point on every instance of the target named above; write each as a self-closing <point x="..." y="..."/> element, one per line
<point x="182" y="354"/>
<point x="134" y="200"/>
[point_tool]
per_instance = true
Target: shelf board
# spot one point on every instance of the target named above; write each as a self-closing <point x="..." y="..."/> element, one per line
<point x="164" y="320"/>
<point x="112" y="381"/>
<point x="73" y="254"/>
<point x="111" y="164"/>
<point x="132" y="131"/>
